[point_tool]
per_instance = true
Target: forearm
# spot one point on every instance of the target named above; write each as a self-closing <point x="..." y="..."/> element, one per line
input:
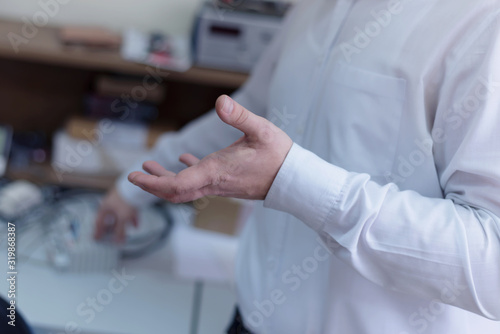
<point x="397" y="239"/>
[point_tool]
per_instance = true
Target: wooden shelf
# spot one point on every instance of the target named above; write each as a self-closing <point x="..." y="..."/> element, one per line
<point x="46" y="48"/>
<point x="45" y="174"/>
<point x="44" y="83"/>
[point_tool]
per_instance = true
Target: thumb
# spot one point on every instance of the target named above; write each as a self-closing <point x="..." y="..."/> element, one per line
<point x="232" y="113"/>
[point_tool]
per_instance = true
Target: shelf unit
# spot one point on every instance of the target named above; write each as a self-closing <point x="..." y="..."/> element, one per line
<point x="44" y="83"/>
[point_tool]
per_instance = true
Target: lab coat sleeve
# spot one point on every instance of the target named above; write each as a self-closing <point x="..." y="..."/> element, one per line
<point x="402" y="240"/>
<point x="208" y="133"/>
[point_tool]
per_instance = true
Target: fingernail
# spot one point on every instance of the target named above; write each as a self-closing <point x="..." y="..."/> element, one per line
<point x="228" y="105"/>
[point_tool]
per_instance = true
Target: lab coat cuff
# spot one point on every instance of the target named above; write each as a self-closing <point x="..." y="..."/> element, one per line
<point x="307" y="187"/>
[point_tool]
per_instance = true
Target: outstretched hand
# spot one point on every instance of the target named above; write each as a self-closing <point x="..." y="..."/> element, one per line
<point x="246" y="169"/>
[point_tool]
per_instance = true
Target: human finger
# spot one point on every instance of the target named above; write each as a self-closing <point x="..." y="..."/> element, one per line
<point x="154" y="168"/>
<point x="188" y="159"/>
<point x="120" y="229"/>
<point x="234" y="114"/>
<point x="100" y="226"/>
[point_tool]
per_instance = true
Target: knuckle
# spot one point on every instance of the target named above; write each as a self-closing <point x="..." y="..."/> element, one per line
<point x="219" y="179"/>
<point x="242" y="117"/>
<point x="177" y="190"/>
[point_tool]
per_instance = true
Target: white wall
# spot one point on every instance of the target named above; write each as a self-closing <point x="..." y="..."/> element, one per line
<point x="175" y="16"/>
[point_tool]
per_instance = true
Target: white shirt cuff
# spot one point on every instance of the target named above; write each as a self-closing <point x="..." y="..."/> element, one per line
<point x="307" y="187"/>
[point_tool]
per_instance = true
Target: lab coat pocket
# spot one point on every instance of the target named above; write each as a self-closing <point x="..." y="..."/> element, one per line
<point x="363" y="111"/>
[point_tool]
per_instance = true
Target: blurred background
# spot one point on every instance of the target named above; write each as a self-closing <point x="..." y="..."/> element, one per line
<point x="86" y="89"/>
<point x="171" y="16"/>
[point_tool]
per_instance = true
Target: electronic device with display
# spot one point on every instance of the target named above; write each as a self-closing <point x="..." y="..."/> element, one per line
<point x="231" y="35"/>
